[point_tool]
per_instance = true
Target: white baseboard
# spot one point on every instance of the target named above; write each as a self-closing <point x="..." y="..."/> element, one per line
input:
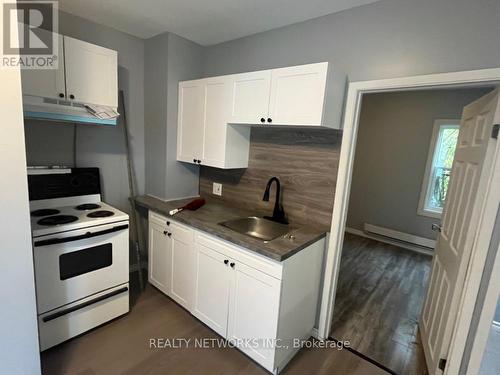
<point x="314" y="333"/>
<point x="407" y="246"/>
<point x="400" y="236"/>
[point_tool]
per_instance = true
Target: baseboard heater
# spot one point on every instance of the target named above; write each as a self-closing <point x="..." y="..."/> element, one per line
<point x="404" y="238"/>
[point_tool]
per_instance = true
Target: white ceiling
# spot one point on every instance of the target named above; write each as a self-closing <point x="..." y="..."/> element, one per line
<point x="205" y="22"/>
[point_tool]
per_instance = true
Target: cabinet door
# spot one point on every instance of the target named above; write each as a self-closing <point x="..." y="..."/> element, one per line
<point x="212" y="289"/>
<point x="297" y="95"/>
<point x="183" y="265"/>
<point x="91" y="73"/>
<point x="250" y="97"/>
<point x="160" y="258"/>
<point x="47" y="83"/>
<point x="190" y="121"/>
<point x="216" y="118"/>
<point x="253" y="311"/>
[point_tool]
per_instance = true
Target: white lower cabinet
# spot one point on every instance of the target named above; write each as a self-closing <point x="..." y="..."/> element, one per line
<point x="160" y="257"/>
<point x="253" y="312"/>
<point x="253" y="301"/>
<point x="212" y="289"/>
<point x="183" y="261"/>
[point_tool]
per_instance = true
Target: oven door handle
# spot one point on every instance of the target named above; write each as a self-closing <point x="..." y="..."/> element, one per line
<point x="54" y="241"/>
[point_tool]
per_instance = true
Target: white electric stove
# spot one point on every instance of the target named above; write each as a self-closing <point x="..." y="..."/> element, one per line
<point x="81" y="253"/>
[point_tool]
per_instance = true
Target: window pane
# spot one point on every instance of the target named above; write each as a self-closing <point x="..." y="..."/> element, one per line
<point x="444" y="153"/>
<point x="446" y="148"/>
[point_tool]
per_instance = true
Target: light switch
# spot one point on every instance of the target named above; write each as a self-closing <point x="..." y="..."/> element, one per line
<point x="217" y="189"/>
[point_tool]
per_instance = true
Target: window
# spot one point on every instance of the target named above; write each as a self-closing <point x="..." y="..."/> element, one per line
<point x="438" y="169"/>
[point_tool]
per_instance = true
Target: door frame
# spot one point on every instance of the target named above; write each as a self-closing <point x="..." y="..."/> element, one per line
<point x="352" y="110"/>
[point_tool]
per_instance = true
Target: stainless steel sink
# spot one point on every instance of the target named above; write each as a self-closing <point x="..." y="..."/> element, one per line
<point x="257" y="227"/>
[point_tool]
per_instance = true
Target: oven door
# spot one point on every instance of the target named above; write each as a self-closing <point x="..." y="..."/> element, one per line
<point x="73" y="265"/>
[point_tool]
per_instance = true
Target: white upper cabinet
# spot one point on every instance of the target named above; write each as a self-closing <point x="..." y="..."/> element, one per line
<point x="47" y="83"/>
<point x="203" y="134"/>
<point x="91" y="73"/>
<point x="215" y="122"/>
<point x="250" y="97"/>
<point x="297" y="95"/>
<point x="212" y="111"/>
<point x="86" y="74"/>
<point x="190" y="121"/>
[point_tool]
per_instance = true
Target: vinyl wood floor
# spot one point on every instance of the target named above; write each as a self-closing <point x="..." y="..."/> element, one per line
<point x="122" y="347"/>
<point x="379" y="298"/>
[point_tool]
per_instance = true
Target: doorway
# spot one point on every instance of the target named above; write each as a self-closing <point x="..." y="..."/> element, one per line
<point x="402" y="166"/>
<point x="457" y="327"/>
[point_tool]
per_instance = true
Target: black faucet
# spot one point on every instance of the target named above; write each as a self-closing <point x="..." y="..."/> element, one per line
<point x="278" y="212"/>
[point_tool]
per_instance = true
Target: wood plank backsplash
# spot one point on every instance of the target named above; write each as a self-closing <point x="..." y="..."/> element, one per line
<point x="304" y="160"/>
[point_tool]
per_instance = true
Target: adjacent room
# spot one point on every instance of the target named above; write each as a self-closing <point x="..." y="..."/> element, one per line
<point x="404" y="153"/>
<point x="249" y="187"/>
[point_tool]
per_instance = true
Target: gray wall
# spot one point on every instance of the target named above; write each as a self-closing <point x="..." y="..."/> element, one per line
<point x="386" y="39"/>
<point x="18" y="322"/>
<point x="391" y="153"/>
<point x="100" y="146"/>
<point x="168" y="60"/>
<point x="155" y="112"/>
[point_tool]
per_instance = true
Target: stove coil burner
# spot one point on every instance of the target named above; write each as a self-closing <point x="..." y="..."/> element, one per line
<point x="87" y="206"/>
<point x="45" y="212"/>
<point x="101" y="213"/>
<point x="57" y="220"/>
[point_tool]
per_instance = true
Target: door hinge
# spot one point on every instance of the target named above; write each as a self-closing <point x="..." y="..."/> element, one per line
<point x="494" y="131"/>
<point x="442" y="364"/>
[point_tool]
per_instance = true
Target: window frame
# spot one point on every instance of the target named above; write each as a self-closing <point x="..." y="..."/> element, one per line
<point x="425" y="190"/>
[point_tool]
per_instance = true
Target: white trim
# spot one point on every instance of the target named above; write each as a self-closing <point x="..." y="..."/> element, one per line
<point x="406" y="246"/>
<point x="314" y="333"/>
<point x="431" y="155"/>
<point x="344" y="174"/>
<point x="401" y="236"/>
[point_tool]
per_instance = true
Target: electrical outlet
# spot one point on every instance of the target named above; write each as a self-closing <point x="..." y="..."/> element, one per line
<point x="217" y="189"/>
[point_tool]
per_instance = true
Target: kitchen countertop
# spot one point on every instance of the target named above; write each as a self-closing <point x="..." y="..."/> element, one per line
<point x="206" y="219"/>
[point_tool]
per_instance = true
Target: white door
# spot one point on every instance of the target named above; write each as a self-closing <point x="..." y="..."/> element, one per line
<point x="470" y="172"/>
<point x="183" y="265"/>
<point x="250" y="97"/>
<point x="91" y="73"/>
<point x="253" y="311"/>
<point x="47" y="83"/>
<point x="298" y="94"/>
<point x="160" y="257"/>
<point x="212" y="289"/>
<point x="190" y="121"/>
<point x="215" y="123"/>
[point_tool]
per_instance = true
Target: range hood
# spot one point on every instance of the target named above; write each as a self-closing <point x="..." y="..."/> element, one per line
<point x="40" y="108"/>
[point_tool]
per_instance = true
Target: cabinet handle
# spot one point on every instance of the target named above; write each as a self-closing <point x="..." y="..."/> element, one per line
<point x="194" y="161"/>
<point x="199" y="161"/>
<point x="262" y="119"/>
<point x="169" y="234"/>
<point x="168" y="222"/>
<point x="269" y="120"/>
<point x="61" y="95"/>
<point x="165" y="232"/>
<point x="232" y="265"/>
<point x="226" y="261"/>
<point x="72" y="96"/>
